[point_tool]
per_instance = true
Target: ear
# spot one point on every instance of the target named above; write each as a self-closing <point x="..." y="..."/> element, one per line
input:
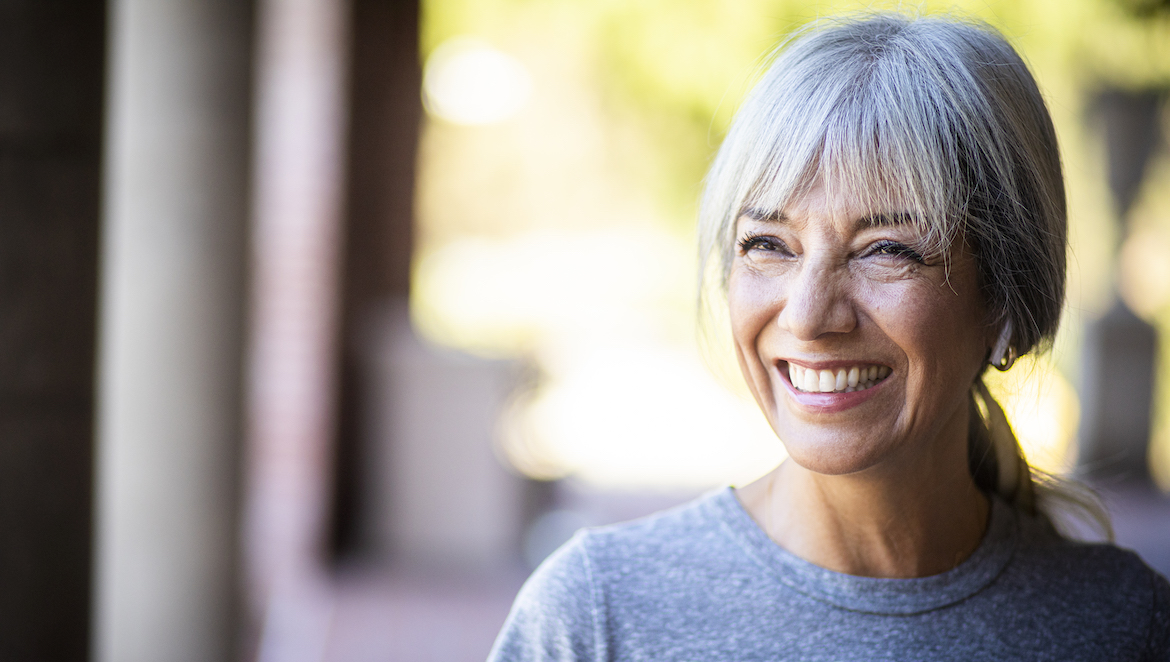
<point x="1003" y="355"/>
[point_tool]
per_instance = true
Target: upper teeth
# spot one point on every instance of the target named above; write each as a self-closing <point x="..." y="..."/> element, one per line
<point x="843" y="380"/>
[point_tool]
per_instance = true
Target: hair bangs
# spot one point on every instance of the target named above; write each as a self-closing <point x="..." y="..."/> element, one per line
<point x="865" y="132"/>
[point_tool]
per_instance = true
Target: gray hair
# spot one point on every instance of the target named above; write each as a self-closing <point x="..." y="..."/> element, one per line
<point x="935" y="114"/>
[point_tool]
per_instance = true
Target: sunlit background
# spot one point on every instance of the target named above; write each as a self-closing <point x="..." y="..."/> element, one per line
<point x="389" y="298"/>
<point x="560" y="164"/>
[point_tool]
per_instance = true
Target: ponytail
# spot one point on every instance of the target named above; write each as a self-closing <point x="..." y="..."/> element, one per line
<point x="998" y="466"/>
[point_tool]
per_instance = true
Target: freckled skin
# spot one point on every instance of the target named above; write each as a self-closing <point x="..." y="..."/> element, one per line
<point x="819" y="286"/>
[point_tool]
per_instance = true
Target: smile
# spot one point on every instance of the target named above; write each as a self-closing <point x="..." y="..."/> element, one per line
<point x="841" y="380"/>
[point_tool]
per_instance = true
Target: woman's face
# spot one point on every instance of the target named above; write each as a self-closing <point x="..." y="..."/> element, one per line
<point x="857" y="347"/>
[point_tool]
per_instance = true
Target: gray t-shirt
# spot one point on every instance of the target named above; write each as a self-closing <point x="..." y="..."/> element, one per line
<point x="703" y="583"/>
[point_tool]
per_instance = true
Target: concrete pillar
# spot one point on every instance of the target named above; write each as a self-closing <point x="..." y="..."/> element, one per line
<point x="176" y="208"/>
<point x="51" y="87"/>
<point x="297" y="200"/>
<point x="1120" y="349"/>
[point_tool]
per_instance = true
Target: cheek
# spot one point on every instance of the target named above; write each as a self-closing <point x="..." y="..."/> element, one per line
<point x="942" y="335"/>
<point x="751" y="303"/>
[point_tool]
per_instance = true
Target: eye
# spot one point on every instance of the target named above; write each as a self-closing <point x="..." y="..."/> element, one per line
<point x="752" y="241"/>
<point x="895" y="249"/>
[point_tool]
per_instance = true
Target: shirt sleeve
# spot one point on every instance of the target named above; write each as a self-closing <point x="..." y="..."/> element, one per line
<point x="555" y="617"/>
<point x="1158" y="642"/>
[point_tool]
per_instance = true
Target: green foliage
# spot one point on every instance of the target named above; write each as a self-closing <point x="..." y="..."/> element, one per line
<point x="674" y="71"/>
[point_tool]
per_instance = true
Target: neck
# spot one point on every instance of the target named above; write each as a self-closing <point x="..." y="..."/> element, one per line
<point x="886" y="521"/>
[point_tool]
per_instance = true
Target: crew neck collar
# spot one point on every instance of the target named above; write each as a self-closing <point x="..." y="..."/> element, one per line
<point x="871" y="594"/>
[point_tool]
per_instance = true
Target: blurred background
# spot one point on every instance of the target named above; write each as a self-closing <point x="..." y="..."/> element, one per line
<point x="324" y="321"/>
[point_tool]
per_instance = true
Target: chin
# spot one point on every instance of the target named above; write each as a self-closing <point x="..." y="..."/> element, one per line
<point x="833" y="454"/>
<point x="829" y="465"/>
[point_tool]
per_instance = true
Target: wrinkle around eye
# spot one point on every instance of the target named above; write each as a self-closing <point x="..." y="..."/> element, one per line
<point x="888" y="269"/>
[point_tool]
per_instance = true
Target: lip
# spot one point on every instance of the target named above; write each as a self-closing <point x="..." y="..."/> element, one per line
<point x="826" y="403"/>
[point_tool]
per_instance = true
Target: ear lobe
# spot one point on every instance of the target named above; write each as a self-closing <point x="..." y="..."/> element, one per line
<point x="1003" y="355"/>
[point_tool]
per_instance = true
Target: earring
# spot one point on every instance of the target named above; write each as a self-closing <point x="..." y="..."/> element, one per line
<point x="1003" y="355"/>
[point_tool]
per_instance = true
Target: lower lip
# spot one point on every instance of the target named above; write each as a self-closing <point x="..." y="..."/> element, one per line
<point x="828" y="403"/>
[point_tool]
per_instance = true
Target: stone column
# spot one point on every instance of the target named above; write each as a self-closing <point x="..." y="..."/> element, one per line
<point x="1120" y="349"/>
<point x="176" y="209"/>
<point x="52" y="57"/>
<point x="299" y="179"/>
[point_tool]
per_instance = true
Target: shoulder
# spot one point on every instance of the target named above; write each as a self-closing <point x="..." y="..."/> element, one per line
<point x="672" y="533"/>
<point x="554" y="617"/>
<point x="1158" y="643"/>
<point x="678" y="555"/>
<point x="567" y="607"/>
<point x="1094" y="590"/>
<point x="1095" y="567"/>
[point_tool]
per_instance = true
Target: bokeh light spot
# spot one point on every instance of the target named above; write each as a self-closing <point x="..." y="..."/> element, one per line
<point x="468" y="82"/>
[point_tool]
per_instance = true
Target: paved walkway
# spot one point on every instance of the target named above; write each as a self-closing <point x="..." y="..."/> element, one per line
<point x="418" y="617"/>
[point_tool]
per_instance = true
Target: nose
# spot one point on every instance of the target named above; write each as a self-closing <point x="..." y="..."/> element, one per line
<point x="818" y="301"/>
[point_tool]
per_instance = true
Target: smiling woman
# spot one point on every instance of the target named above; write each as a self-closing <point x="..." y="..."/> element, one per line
<point x="886" y="218"/>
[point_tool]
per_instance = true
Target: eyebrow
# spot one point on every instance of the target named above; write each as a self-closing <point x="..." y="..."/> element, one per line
<point x="887" y="219"/>
<point x="757" y="214"/>
<point x="878" y="220"/>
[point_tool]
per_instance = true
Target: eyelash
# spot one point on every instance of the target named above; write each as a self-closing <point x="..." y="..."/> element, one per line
<point x="892" y="248"/>
<point x="753" y="240"/>
<point x="897" y="250"/>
